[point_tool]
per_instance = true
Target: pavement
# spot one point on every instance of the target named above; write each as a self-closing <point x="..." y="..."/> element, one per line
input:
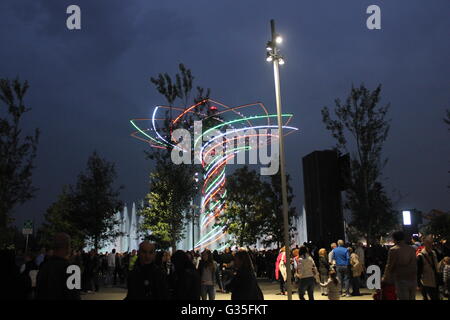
<point x="270" y="290"/>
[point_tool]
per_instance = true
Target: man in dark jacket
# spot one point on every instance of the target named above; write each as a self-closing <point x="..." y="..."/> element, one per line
<point x="186" y="278"/>
<point x="227" y="267"/>
<point x="147" y="281"/>
<point x="51" y="283"/>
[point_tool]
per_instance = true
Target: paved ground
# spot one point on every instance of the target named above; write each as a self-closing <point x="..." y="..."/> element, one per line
<point x="270" y="293"/>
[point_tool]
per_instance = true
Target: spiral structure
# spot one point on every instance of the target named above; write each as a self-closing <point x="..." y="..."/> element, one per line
<point x="234" y="130"/>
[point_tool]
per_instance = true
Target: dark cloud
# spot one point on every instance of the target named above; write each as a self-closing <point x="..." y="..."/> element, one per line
<point x="86" y="85"/>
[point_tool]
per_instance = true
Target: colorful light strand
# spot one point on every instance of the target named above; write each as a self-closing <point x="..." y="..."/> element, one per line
<point x="213" y="190"/>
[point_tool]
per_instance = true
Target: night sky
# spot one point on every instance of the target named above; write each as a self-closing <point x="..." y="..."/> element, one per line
<point x="86" y="85"/>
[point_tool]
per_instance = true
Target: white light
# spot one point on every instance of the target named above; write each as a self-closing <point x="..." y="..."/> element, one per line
<point x="269" y="59"/>
<point x="278" y="39"/>
<point x="281" y="61"/>
<point x="406" y="218"/>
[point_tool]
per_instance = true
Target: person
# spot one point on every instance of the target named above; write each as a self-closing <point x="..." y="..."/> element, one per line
<point x="40" y="257"/>
<point x="95" y="265"/>
<point x="125" y="266"/>
<point x="207" y="270"/>
<point x="48" y="255"/>
<point x="111" y="259"/>
<point x="401" y="268"/>
<point x="355" y="272"/>
<point x="427" y="275"/>
<point x="341" y="257"/>
<point x="51" y="282"/>
<point x="10" y="277"/>
<point x="25" y="280"/>
<point x="306" y="273"/>
<point x="362" y="260"/>
<point x="104" y="268"/>
<point x="196" y="258"/>
<point x="244" y="285"/>
<point x="332" y="286"/>
<point x="271" y="259"/>
<point x="166" y="263"/>
<point x="88" y="275"/>
<point x="446" y="275"/>
<point x="324" y="268"/>
<point x="186" y="280"/>
<point x="133" y="260"/>
<point x="118" y="268"/>
<point x="146" y="281"/>
<point x="331" y="261"/>
<point x="280" y="270"/>
<point x="295" y="258"/>
<point x="416" y="242"/>
<point x="227" y="267"/>
<point x="218" y="276"/>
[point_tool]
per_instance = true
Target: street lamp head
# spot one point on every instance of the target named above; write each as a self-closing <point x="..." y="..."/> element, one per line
<point x="269" y="57"/>
<point x="278" y="39"/>
<point x="269" y="46"/>
<point x="281" y="61"/>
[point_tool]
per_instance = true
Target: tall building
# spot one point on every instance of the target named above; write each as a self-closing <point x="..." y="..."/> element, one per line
<point x="323" y="182"/>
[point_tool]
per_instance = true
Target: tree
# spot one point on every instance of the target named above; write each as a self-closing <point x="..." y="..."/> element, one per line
<point x="244" y="207"/>
<point x="17" y="153"/>
<point x="273" y="227"/>
<point x="438" y="225"/>
<point x="96" y="201"/>
<point x="60" y="217"/>
<point x="383" y="217"/>
<point x="172" y="187"/>
<point x="361" y="125"/>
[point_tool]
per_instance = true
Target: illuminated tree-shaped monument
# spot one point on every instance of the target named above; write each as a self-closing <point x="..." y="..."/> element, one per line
<point x="225" y="134"/>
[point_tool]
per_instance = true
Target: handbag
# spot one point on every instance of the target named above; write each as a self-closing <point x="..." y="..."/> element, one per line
<point x="282" y="267"/>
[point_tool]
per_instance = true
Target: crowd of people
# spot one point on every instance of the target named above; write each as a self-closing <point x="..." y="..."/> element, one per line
<point x="407" y="267"/>
<point x="154" y="274"/>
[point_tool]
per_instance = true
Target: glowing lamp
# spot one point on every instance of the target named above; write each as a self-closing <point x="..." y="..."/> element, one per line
<point x="278" y="39"/>
<point x="406" y="218"/>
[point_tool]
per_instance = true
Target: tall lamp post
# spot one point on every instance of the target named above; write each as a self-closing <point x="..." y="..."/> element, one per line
<point x="274" y="56"/>
<point x="194" y="216"/>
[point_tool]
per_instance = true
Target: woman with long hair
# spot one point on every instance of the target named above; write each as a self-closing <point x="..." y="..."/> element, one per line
<point x="244" y="285"/>
<point x="356" y="270"/>
<point x="324" y="268"/>
<point x="306" y="273"/>
<point x="207" y="270"/>
<point x="332" y="285"/>
<point x="280" y="270"/>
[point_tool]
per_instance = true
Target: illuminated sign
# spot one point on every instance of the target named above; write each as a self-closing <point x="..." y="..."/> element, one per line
<point x="406" y="218"/>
